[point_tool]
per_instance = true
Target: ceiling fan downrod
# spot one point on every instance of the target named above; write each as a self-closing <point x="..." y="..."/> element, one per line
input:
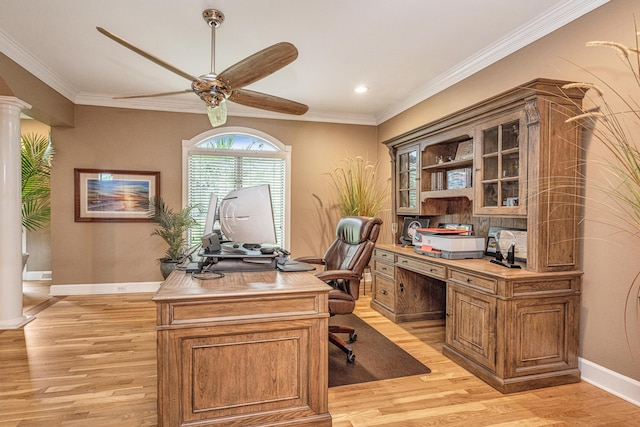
<point x="214" y="18"/>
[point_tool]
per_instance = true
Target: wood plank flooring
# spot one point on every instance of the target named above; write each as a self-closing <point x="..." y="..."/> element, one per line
<point x="91" y="361"/>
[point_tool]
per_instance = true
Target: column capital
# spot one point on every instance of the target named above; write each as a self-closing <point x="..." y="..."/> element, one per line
<point x="15" y="102"/>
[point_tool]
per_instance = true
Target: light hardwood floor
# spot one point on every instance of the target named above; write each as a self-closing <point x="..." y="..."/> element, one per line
<point x="91" y="361"/>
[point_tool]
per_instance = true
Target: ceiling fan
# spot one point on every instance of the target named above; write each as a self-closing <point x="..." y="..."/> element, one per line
<point x="215" y="89"/>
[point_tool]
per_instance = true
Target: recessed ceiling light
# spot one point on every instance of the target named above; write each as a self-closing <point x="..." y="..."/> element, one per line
<point x="361" y="89"/>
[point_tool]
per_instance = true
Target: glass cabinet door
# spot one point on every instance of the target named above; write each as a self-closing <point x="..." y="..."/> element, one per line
<point x="501" y="167"/>
<point x="407" y="180"/>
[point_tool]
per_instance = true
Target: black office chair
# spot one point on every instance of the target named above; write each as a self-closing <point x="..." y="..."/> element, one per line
<point x="344" y="263"/>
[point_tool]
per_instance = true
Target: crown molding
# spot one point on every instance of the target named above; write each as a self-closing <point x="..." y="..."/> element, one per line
<point x="21" y="56"/>
<point x="545" y="24"/>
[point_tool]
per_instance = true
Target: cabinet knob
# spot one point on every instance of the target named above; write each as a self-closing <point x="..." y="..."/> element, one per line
<point x="401" y="287"/>
<point x="448" y="314"/>
<point x="383" y="292"/>
<point x="468" y="279"/>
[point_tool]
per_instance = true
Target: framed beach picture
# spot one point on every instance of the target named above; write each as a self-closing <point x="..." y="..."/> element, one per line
<point x="104" y="195"/>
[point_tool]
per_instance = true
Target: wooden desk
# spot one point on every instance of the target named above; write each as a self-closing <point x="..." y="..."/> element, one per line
<point x="246" y="349"/>
<point x="514" y="328"/>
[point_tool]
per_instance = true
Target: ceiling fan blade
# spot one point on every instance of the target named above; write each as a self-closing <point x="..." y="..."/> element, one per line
<point x="267" y="102"/>
<point x="150" y="57"/>
<point x="152" y="95"/>
<point x="258" y="65"/>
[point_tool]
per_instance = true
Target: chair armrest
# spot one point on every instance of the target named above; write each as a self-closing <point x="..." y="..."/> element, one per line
<point x="337" y="275"/>
<point x="311" y="260"/>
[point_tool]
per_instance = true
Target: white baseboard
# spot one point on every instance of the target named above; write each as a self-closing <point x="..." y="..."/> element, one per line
<point x="104" y="288"/>
<point x="610" y="381"/>
<point x="36" y="275"/>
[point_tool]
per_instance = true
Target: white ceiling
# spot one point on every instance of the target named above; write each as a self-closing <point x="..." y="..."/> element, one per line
<point x="404" y="51"/>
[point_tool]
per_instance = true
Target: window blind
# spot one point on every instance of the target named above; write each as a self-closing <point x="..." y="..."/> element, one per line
<point x="221" y="173"/>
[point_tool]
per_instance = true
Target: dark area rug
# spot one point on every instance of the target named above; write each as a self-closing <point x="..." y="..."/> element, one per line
<point x="377" y="358"/>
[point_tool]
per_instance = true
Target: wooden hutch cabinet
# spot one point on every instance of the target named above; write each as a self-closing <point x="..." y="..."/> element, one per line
<point x="509" y="161"/>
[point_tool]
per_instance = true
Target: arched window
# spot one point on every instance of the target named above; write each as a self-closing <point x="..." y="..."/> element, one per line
<point x="221" y="160"/>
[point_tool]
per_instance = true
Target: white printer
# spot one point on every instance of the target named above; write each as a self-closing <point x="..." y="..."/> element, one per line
<point x="447" y="243"/>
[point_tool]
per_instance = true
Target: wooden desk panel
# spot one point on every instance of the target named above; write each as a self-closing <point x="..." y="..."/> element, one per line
<point x="247" y="349"/>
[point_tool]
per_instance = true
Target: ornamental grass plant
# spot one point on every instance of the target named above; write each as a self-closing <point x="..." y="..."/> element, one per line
<point x="358" y="190"/>
<point x="612" y="118"/>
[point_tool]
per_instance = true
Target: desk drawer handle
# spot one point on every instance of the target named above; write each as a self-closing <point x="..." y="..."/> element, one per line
<point x="468" y="279"/>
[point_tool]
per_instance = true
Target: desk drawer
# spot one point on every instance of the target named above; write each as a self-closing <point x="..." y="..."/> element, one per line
<point x="422" y="266"/>
<point x="383" y="268"/>
<point x="478" y="282"/>
<point x="384" y="292"/>
<point x="384" y="255"/>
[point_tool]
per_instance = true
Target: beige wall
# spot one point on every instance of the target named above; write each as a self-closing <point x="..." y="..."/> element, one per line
<point x="610" y="257"/>
<point x="111" y="138"/>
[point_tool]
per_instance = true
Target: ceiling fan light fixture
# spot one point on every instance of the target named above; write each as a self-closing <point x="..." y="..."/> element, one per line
<point x="218" y="114"/>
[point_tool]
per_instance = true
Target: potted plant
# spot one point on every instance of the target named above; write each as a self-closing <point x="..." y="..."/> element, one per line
<point x="36" y="156"/>
<point x="358" y="191"/>
<point x="172" y="228"/>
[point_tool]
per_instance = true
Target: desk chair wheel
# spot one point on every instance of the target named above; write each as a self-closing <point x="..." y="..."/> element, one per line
<point x="351" y="358"/>
<point x="353" y="337"/>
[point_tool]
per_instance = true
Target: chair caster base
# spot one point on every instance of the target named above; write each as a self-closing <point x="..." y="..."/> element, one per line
<point x="351" y="358"/>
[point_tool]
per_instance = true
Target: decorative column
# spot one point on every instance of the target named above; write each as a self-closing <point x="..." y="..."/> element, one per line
<point x="11" y="316"/>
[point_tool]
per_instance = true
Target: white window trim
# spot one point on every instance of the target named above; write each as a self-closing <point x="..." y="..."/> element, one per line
<point x="285" y="152"/>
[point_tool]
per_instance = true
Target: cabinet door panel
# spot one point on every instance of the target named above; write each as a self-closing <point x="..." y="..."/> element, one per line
<point x="543" y="335"/>
<point x="501" y="163"/>
<point x="407" y="166"/>
<point x="471" y="324"/>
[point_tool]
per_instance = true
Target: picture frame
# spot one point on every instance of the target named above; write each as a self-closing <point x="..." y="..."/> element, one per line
<point x="520" y="251"/>
<point x="109" y="195"/>
<point x="410" y="224"/>
<point x="464" y="150"/>
<point x="459" y="178"/>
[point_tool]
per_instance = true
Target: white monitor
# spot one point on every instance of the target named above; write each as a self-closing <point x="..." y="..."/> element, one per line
<point x="211" y="214"/>
<point x="246" y="216"/>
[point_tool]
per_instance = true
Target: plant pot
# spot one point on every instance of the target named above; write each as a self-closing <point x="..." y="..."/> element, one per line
<point x="166" y="267"/>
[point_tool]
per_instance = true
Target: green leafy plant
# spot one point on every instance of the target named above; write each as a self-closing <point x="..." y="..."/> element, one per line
<point x="173" y="226"/>
<point x="36" y="156"/>
<point x="358" y="191"/>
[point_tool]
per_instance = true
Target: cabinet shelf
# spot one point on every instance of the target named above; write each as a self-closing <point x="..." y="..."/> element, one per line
<point x="447" y="194"/>
<point x="449" y="165"/>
